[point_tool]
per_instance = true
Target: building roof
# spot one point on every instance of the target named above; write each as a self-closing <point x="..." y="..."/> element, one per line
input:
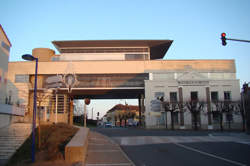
<point x="158" y="48"/>
<point x="124" y="107"/>
<point x="5" y="34"/>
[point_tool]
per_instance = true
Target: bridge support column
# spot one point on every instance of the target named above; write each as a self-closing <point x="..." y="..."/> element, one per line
<point x="71" y="109"/>
<point x="141" y="108"/>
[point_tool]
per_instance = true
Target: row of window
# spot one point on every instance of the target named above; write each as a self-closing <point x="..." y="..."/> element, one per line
<point x="104" y="50"/>
<point x="194" y="96"/>
<point x="215" y="115"/>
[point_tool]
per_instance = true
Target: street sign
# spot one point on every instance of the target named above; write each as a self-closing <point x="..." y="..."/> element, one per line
<point x="155" y="105"/>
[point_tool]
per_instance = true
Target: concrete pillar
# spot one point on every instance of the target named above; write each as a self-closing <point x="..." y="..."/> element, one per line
<point x="85" y="115"/>
<point x="182" y="126"/>
<point x="142" y="107"/>
<point x="71" y="109"/>
<point x="209" y="112"/>
<point x="139" y="104"/>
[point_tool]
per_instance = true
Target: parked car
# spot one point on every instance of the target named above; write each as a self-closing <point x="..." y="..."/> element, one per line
<point x="108" y="125"/>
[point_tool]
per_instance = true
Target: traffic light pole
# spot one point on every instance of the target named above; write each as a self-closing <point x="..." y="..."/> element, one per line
<point x="239" y="40"/>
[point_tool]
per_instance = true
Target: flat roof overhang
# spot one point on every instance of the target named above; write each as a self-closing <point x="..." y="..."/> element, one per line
<point x="101" y="93"/>
<point x="158" y="48"/>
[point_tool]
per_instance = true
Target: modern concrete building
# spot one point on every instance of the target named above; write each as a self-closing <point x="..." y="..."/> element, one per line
<point x="116" y="69"/>
<point x="5" y="46"/>
<point x="9" y="112"/>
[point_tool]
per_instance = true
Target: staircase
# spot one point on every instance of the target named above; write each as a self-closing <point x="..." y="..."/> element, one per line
<point x="11" y="138"/>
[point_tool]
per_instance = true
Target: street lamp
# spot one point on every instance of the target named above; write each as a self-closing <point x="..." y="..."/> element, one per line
<point x="29" y="57"/>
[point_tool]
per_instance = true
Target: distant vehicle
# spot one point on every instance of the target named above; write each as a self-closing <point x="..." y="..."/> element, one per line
<point x="108" y="124"/>
<point x="132" y="123"/>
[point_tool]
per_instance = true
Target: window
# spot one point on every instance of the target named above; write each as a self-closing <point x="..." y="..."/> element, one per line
<point x="21" y="78"/>
<point x="194" y="96"/>
<point x="214" y="96"/>
<point x="5" y="46"/>
<point x="132" y="57"/>
<point x="227" y="95"/>
<point x="216" y="117"/>
<point x="173" y="96"/>
<point x="159" y="94"/>
<point x="229" y="117"/>
<point x="175" y="117"/>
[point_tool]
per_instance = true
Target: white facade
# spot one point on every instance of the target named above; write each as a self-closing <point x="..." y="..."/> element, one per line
<point x="164" y="83"/>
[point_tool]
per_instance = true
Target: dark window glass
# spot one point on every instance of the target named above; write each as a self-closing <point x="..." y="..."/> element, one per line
<point x="175" y="116"/>
<point x="135" y="57"/>
<point x="214" y="96"/>
<point x="227" y="96"/>
<point x="5" y="46"/>
<point x="194" y="96"/>
<point x="216" y="117"/>
<point x="173" y="96"/>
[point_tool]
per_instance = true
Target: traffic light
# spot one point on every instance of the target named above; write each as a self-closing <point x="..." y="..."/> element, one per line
<point x="98" y="113"/>
<point x="223" y="39"/>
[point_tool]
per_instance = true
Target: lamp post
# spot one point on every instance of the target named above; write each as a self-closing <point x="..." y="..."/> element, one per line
<point x="29" y="57"/>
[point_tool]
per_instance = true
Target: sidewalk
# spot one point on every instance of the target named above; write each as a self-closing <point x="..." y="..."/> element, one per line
<point x="102" y="151"/>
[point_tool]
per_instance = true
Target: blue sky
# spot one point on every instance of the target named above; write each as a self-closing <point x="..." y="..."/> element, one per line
<point x="194" y="25"/>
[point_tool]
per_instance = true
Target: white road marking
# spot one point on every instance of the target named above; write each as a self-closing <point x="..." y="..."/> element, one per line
<point x="244" y="142"/>
<point x="103" y="150"/>
<point x="117" y="164"/>
<point x="102" y="144"/>
<point x="211" y="155"/>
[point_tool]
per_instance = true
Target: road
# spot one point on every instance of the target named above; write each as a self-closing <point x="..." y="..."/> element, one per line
<point x="181" y="148"/>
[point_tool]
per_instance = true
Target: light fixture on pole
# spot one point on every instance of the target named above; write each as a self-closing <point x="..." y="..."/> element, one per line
<point x="29" y="57"/>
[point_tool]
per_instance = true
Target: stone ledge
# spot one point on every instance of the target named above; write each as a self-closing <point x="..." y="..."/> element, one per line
<point x="76" y="149"/>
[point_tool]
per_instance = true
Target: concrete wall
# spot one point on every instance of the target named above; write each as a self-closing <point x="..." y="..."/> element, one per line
<point x="95" y="67"/>
<point x="5" y="120"/>
<point x="10" y="114"/>
<point x="4" y="59"/>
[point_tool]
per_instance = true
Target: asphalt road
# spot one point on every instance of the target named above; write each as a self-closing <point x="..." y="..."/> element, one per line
<point x="160" y="148"/>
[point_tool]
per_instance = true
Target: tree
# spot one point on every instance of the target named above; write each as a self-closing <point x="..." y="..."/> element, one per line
<point x="115" y="118"/>
<point x="243" y="115"/>
<point x="195" y="107"/>
<point x="171" y="107"/>
<point x="120" y="117"/>
<point x="42" y="97"/>
<point x="228" y="108"/>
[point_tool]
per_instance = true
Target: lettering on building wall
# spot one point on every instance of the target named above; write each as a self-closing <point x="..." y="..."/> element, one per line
<point x="196" y="83"/>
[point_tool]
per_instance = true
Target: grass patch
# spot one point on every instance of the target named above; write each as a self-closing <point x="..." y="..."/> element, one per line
<point x="53" y="141"/>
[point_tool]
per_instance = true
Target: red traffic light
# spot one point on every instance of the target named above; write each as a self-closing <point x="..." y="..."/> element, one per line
<point x="223" y="39"/>
<point x="223" y="34"/>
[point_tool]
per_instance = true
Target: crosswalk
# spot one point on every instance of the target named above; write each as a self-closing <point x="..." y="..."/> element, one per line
<point x="144" y="140"/>
<point x="12" y="137"/>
